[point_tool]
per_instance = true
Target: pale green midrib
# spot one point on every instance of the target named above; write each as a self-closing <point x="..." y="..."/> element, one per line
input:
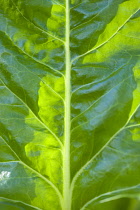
<point x="66" y="154"/>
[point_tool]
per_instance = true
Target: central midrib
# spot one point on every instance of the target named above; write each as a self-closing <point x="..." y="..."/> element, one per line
<point x="66" y="154"/>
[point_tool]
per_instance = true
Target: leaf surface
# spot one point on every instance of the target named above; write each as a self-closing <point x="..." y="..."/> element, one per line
<point x="69" y="104"/>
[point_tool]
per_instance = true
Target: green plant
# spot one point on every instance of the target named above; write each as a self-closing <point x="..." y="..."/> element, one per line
<point x="70" y="96"/>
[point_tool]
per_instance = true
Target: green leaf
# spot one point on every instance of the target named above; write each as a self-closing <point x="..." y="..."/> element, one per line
<point x="69" y="104"/>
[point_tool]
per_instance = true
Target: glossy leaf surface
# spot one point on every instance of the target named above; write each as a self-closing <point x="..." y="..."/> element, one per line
<point x="69" y="104"/>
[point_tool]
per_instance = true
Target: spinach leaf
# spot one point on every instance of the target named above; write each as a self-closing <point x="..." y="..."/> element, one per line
<point x="69" y="104"/>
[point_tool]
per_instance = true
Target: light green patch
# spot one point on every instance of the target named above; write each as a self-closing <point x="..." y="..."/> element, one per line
<point x="56" y="22"/>
<point x="136" y="92"/>
<point x="51" y="104"/>
<point x="136" y="134"/>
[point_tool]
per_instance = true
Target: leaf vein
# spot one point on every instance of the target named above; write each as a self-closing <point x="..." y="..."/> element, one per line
<point x="100" y="45"/>
<point x="97" y="101"/>
<point x="109" y="193"/>
<point x="35" y="25"/>
<point x="34" y="171"/>
<point x="16" y="201"/>
<point x="102" y="80"/>
<point x="34" y="59"/>
<point x="47" y="128"/>
<point x="99" y="152"/>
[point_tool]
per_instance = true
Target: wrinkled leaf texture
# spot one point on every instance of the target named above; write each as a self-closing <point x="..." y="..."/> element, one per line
<point x="70" y="104"/>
